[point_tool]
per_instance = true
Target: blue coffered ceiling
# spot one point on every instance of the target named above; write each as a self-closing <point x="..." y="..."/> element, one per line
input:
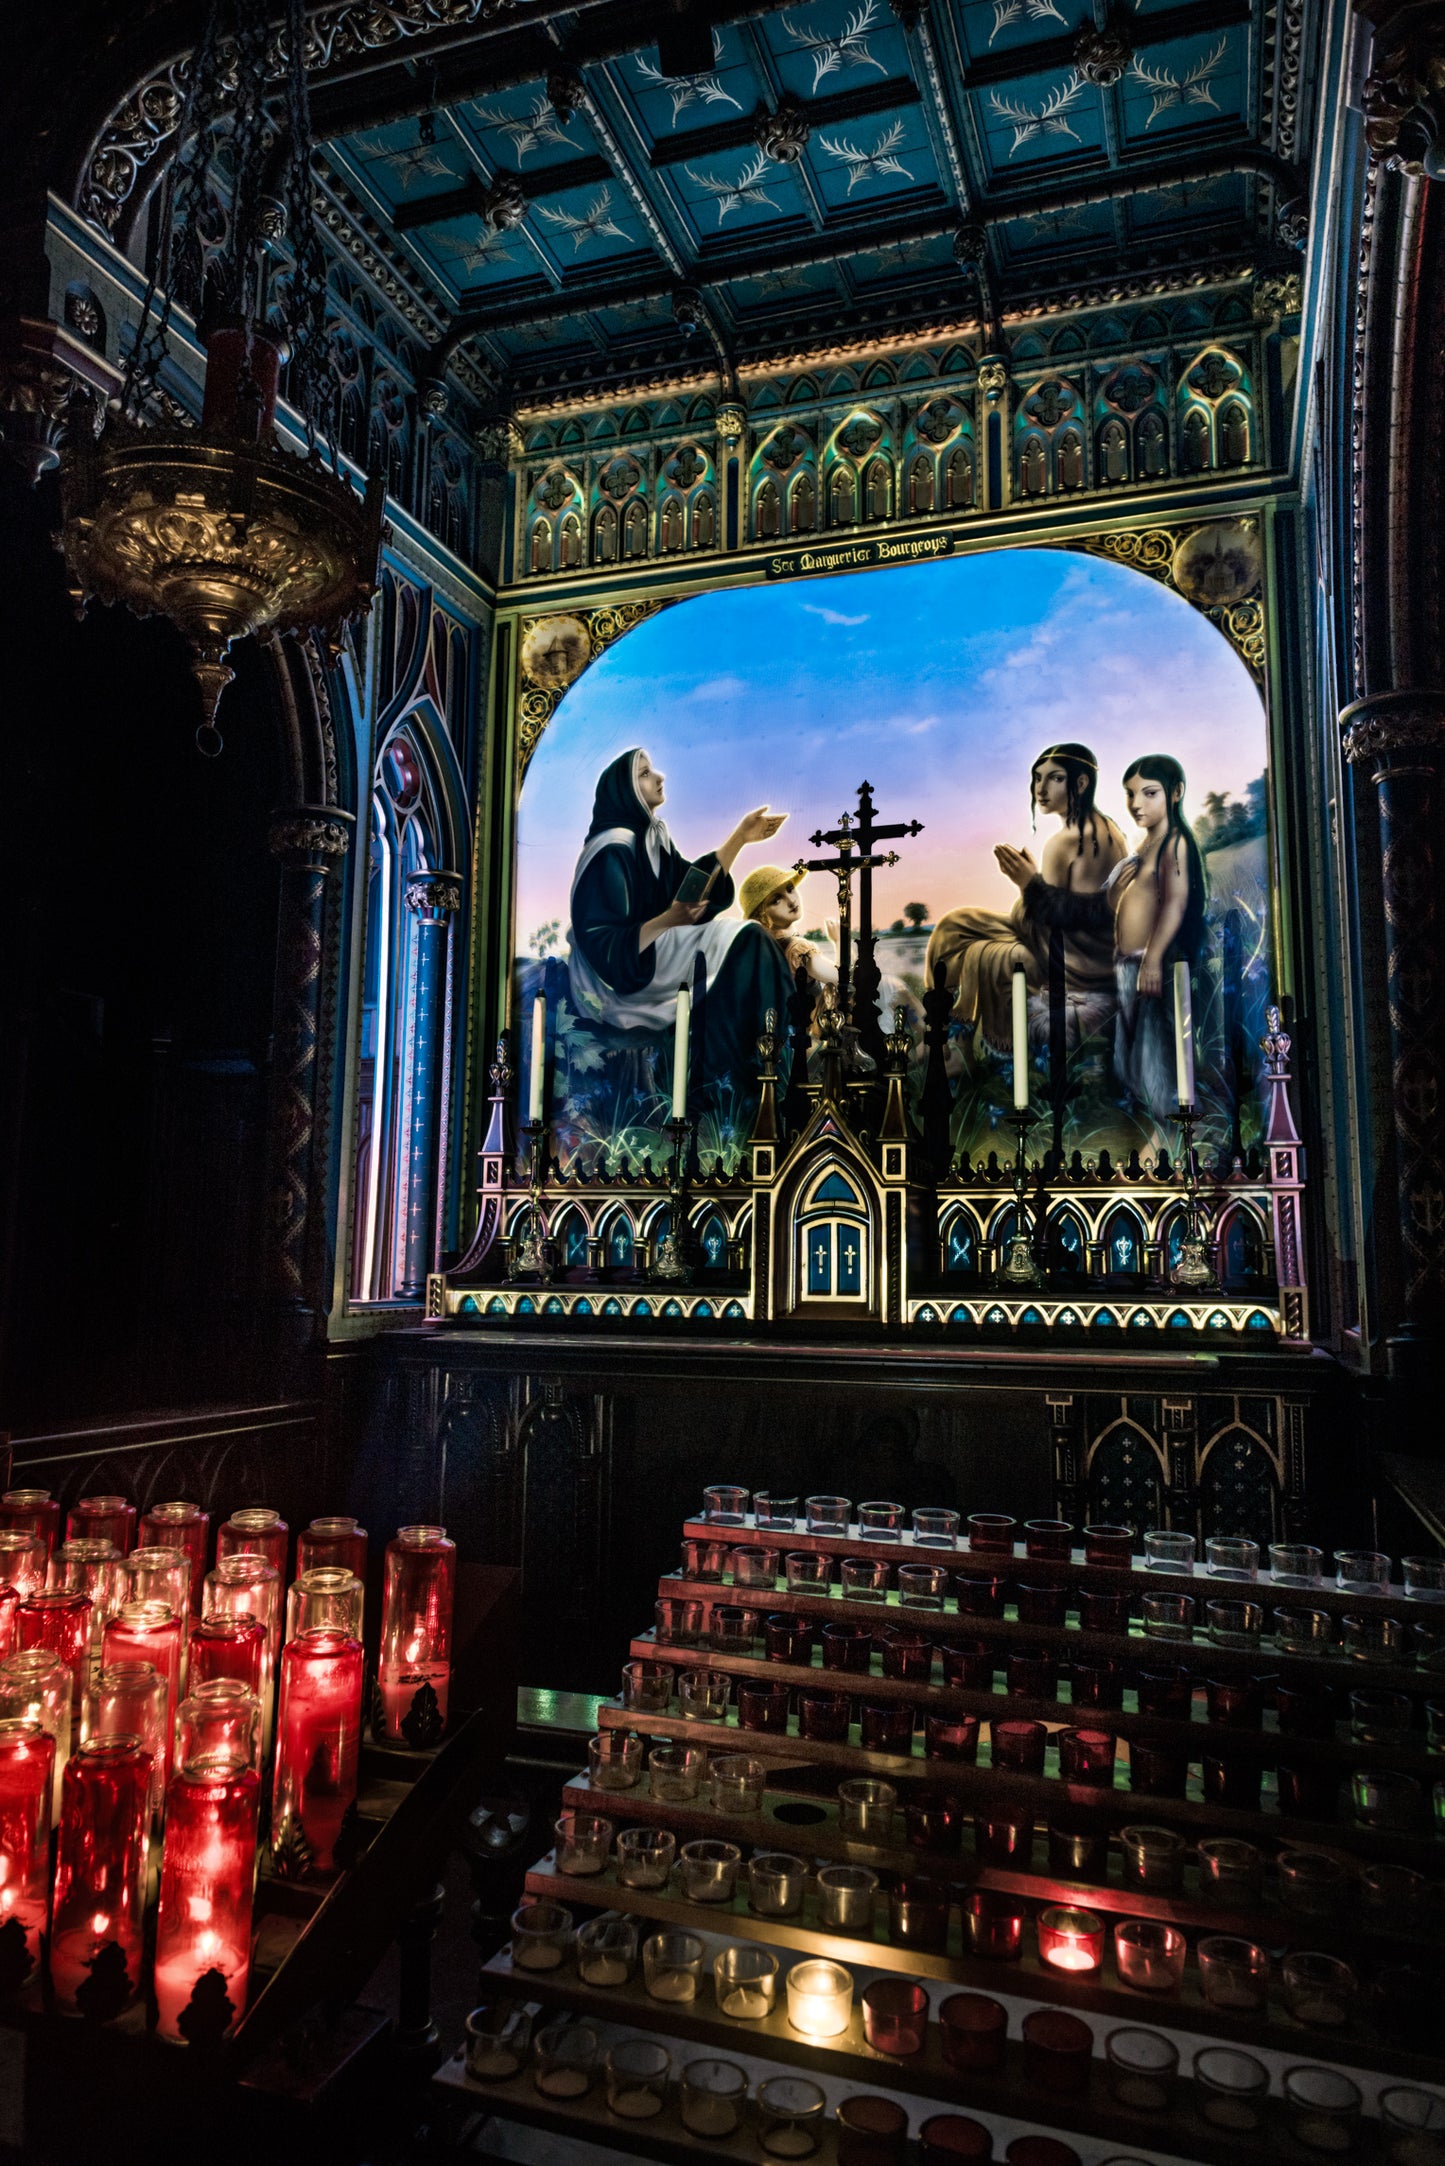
<point x="556" y="206"/>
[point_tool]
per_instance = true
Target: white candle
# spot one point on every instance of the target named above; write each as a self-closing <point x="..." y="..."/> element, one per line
<point x="679" y="1053"/>
<point x="672" y="1985"/>
<point x="1183" y="1034"/>
<point x="1021" y="1042"/>
<point x="635" y="2105"/>
<point x="539" y="1057"/>
<point x="603" y="1970"/>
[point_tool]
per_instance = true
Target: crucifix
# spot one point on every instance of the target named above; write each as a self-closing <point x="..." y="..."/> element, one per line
<point x="854" y="840"/>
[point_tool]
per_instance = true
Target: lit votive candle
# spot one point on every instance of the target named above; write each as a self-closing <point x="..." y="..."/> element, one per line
<point x="820" y="1998"/>
<point x="1071" y="1940"/>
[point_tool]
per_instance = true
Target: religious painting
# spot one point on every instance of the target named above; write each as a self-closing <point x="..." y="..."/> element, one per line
<point x="1060" y="851"/>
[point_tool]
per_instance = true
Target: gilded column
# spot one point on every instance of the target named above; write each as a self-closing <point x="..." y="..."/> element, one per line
<point x="434" y="898"/>
<point x="308" y="840"/>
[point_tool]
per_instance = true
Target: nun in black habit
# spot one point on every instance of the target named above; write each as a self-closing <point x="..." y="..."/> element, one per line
<point x="633" y="943"/>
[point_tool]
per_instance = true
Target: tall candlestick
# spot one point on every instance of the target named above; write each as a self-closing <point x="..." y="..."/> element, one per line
<point x="1021" y="1041"/>
<point x="538" y="1073"/>
<point x="100" y="1877"/>
<point x="680" y="1032"/>
<point x="1183" y="1034"/>
<point x="27" y="1762"/>
<point x="318" y="1740"/>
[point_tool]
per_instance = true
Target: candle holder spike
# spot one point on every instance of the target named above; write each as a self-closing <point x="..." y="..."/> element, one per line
<point x="674" y="1261"/>
<point x="1020" y="1267"/>
<point x="1193" y="1268"/>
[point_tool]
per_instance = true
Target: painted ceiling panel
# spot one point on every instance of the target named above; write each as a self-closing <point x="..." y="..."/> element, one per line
<point x="834" y="45"/>
<point x="1191" y="84"/>
<point x="1039" y="120"/>
<point x="519" y="130"/>
<point x="859" y="164"/>
<point x="1010" y="26"/>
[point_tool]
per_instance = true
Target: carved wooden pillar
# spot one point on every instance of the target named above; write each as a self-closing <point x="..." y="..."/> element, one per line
<point x="308" y="840"/>
<point x="434" y="898"/>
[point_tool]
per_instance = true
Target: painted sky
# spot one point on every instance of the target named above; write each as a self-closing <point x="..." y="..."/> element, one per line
<point x="938" y="682"/>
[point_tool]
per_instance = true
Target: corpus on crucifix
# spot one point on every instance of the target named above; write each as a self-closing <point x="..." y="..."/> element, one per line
<point x="855" y="855"/>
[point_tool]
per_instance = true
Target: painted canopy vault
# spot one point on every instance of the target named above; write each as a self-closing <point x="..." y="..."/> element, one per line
<point x="942" y="685"/>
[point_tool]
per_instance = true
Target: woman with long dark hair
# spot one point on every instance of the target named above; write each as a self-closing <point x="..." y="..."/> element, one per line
<point x="981" y="949"/>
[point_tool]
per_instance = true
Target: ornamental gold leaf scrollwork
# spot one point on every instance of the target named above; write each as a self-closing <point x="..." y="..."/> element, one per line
<point x="1215" y="567"/>
<point x="575" y="639"/>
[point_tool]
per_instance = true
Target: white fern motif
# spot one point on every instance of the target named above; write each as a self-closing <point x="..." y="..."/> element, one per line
<point x="476" y="255"/>
<point x="1191" y="88"/>
<point x="864" y="165"/>
<point x="595" y="221"/>
<point x="424" y="161"/>
<point x="1049" y="119"/>
<point x="1009" y="11"/>
<point x="732" y="195"/>
<point x="527" y="131"/>
<point x="846" y="48"/>
<point x="687" y="90"/>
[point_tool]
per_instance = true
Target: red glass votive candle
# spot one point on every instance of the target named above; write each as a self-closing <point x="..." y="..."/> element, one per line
<point x="1232" y="1782"/>
<point x="255" y="1532"/>
<point x="102" y="1519"/>
<point x="318" y="1741"/>
<point x="1019" y="1746"/>
<point x="60" y="1623"/>
<point x="1168" y="1693"/>
<point x="180" y="1526"/>
<point x="1157" y="1770"/>
<point x="968" y="1665"/>
<point x="160" y="1575"/>
<point x="886" y="1726"/>
<point x="871" y="2131"/>
<point x="973" y="2030"/>
<point x="980" y="1596"/>
<point x="945" y="2139"/>
<point x="847" y="1647"/>
<point x="27" y="1770"/>
<point x="1057" y="2050"/>
<point x="228" y="1647"/>
<point x="36" y="1686"/>
<point x="329" y="1598"/>
<point x="1087" y="1756"/>
<point x="93" y="1569"/>
<point x="1052" y="1538"/>
<point x="993" y="1926"/>
<point x="1236" y="1703"/>
<point x="907" y="1655"/>
<point x="1103" y="1612"/>
<point x="416" y="1634"/>
<point x="129" y="1700"/>
<point x="1096" y="1684"/>
<point x="934" y="1820"/>
<point x="1041" y="1605"/>
<point x="1306" y="1711"/>
<point x="1071" y="1940"/>
<point x="1149" y="1955"/>
<point x="918" y="1913"/>
<point x="788" y="1639"/>
<point x="247" y="1586"/>
<point x="9" y="1603"/>
<point x="332" y="1541"/>
<point x="763" y="1707"/>
<point x="203" y="1926"/>
<point x="1109" y="1545"/>
<point x="823" y="1716"/>
<point x="1004" y="1842"/>
<point x="31" y="1511"/>
<point x="895" y="2015"/>
<point x="951" y="1737"/>
<point x="992" y="1533"/>
<point x="1308" y="1793"/>
<point x="148" y="1632"/>
<point x="22" y="1560"/>
<point x="1032" y="1673"/>
<point x="100" y="1877"/>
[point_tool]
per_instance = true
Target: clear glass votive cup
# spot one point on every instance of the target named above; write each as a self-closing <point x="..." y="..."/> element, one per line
<point x="756" y="1567"/>
<point x="776" y="1881"/>
<point x="1320" y="1990"/>
<point x="1374" y="1639"/>
<point x="724" y="1505"/>
<point x="1143" y="2066"/>
<point x="828" y="1515"/>
<point x="1304" y="1631"/>
<point x="972" y="2029"/>
<point x="1312" y="1883"/>
<point x="845" y="1898"/>
<point x="1380" y="1718"/>
<point x="1235" y="1624"/>
<point x="676" y="1773"/>
<point x="541" y="1936"/>
<point x="564" y="2060"/>
<point x="1231" y="1556"/>
<point x="1165" y="1551"/>
<point x="1168" y="1616"/>
<point x="865" y="1809"/>
<point x="895" y="2015"/>
<point x="636" y="2076"/>
<point x="1424" y="1578"/>
<point x="733" y="1629"/>
<point x="922" y="1586"/>
<point x="807" y="1571"/>
<point x="614" y="1760"/>
<point x="1231" y="1872"/>
<point x="1296" y="1564"/>
<point x="863" y="1579"/>
<point x="992" y="1533"/>
<point x="1322" y="2107"/>
<point x="606" y="1950"/>
<point x="584" y="1841"/>
<point x="1392" y="1897"/>
<point x="711" y="2097"/>
<point x="678" y="1621"/>
<point x="1412" y="2126"/>
<point x="881" y="1522"/>
<point x="497" y="2040"/>
<point x="820" y="1998"/>
<point x="775" y="1514"/>
<point x="1149" y="1955"/>
<point x="745" y="1981"/>
<point x="702" y="1695"/>
<point x="790" y="2116"/>
<point x="1232" y="2089"/>
<point x="707" y="1872"/>
<point x="672" y="1966"/>
<point x="1078" y="1851"/>
<point x="935" y="1527"/>
<point x="704" y="1562"/>
<point x="1233" y="1975"/>
<point x="918" y="1913"/>
<point x="1383" y="1798"/>
<point x="647" y="1687"/>
<point x="1362" y="1571"/>
<point x="738" y="1783"/>
<point x="645" y="1857"/>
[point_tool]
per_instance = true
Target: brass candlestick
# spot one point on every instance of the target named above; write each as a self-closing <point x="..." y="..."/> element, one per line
<point x="1019" y="1266"/>
<point x="1193" y="1268"/>
<point x="531" y="1256"/>
<point x="673" y="1262"/>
